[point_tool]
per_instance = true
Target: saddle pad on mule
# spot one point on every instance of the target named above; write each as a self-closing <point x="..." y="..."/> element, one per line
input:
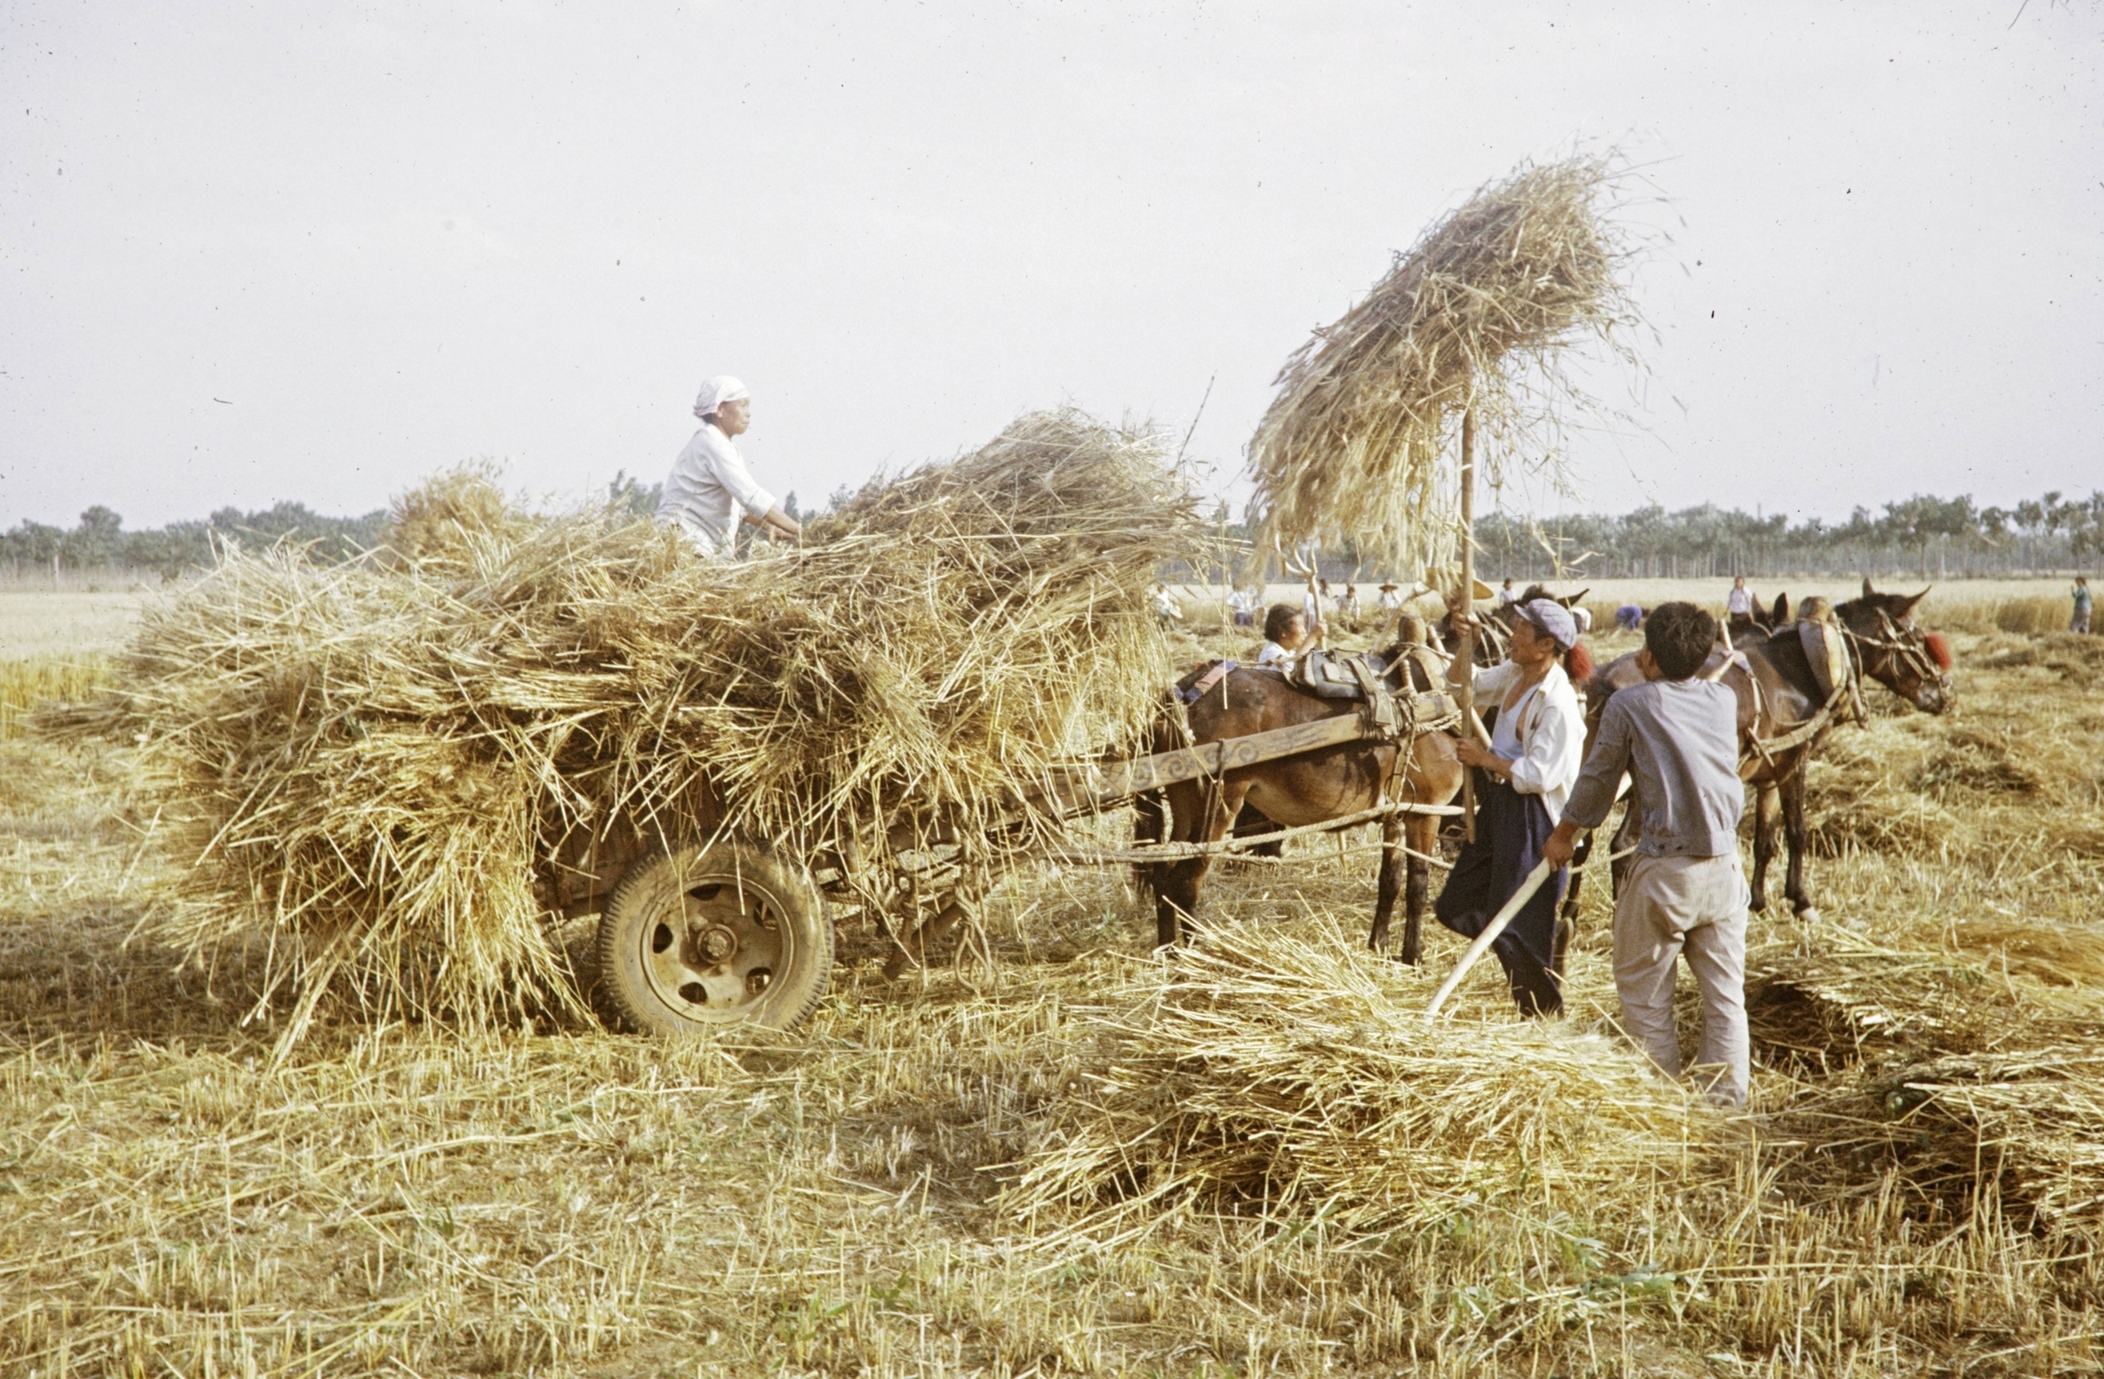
<point x="1327" y="675"/>
<point x="1827" y="650"/>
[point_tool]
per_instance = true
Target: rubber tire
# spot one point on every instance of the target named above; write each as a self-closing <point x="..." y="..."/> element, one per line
<point x="655" y="884"/>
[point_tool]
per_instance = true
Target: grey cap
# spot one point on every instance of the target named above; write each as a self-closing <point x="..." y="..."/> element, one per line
<point x="1555" y="620"/>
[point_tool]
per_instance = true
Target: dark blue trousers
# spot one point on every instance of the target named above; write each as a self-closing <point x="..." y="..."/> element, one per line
<point x="1511" y="830"/>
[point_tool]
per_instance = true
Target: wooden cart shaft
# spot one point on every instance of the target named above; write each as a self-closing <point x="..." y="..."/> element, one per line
<point x="1102" y="785"/>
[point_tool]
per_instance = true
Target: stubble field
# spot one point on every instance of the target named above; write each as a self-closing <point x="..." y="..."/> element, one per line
<point x="1918" y="1188"/>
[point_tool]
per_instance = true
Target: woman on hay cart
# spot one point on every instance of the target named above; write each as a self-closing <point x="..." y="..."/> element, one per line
<point x="1536" y="750"/>
<point x="709" y="481"/>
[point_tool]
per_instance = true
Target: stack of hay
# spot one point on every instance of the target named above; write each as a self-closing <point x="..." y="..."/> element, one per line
<point x="1969" y="1058"/>
<point x="1473" y="317"/>
<point x="1279" y="1072"/>
<point x="372" y="765"/>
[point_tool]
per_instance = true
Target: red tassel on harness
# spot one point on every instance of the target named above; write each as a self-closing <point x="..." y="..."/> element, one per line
<point x="1939" y="650"/>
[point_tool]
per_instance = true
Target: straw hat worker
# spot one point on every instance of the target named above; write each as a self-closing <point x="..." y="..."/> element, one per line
<point x="710" y="490"/>
<point x="1537" y="748"/>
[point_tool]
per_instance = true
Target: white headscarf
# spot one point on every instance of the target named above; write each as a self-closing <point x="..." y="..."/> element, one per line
<point x="717" y="391"/>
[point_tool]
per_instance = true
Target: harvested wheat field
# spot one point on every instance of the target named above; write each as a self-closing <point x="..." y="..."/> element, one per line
<point x="1054" y="1153"/>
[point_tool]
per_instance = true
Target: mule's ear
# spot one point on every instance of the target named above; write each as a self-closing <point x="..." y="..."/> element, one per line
<point x="1906" y="605"/>
<point x="1574" y="600"/>
<point x="1781" y="612"/>
<point x="1867" y="590"/>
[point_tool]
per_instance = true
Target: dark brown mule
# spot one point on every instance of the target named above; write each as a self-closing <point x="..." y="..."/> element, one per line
<point x="1311" y="788"/>
<point x="1780" y="692"/>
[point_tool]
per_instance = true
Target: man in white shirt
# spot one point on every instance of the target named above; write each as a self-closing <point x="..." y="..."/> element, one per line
<point x="709" y="482"/>
<point x="1507" y="594"/>
<point x="1738" y="608"/>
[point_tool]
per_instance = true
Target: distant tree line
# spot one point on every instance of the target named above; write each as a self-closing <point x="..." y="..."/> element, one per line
<point x="1923" y="535"/>
<point x="39" y="552"/>
<point x="100" y="542"/>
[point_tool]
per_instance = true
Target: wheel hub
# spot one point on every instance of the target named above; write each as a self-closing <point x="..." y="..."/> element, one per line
<point x="715" y="948"/>
<point x="717" y="943"/>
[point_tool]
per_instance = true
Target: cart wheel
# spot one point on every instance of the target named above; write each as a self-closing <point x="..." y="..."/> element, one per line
<point x="708" y="936"/>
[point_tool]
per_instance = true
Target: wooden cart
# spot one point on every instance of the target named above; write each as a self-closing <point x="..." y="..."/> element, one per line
<point x="704" y="933"/>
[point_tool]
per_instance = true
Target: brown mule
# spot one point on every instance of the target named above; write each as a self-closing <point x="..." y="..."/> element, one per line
<point x="1311" y="788"/>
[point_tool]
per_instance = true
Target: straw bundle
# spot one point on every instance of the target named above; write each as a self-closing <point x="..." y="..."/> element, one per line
<point x="1288" y="1073"/>
<point x="444" y="517"/>
<point x="1473" y="316"/>
<point x="374" y="765"/>
<point x="1975" y="1060"/>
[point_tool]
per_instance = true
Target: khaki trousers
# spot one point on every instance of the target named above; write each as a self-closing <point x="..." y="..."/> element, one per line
<point x="1697" y="906"/>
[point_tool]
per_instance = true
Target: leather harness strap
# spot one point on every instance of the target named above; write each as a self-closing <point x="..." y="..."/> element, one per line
<point x="1209" y="679"/>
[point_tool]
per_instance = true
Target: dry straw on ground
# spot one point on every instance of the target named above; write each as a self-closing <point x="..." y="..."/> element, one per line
<point x="1292" y="1074"/>
<point x="385" y="1202"/>
<point x="1474" y="315"/>
<point x="373" y="765"/>
<point x="27" y="683"/>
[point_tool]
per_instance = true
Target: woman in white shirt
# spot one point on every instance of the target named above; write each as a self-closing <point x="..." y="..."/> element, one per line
<point x="709" y="481"/>
<point x="1535" y="752"/>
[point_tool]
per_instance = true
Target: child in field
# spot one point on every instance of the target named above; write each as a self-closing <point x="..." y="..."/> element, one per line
<point x="1686" y="890"/>
<point x="1285" y="633"/>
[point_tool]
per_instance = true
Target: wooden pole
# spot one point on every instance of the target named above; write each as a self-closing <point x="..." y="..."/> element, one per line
<point x="1465" y="691"/>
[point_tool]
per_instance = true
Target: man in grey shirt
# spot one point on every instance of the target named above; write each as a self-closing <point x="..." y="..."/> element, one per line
<point x="1686" y="890"/>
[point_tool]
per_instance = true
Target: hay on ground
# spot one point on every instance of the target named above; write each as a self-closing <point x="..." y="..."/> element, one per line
<point x="1970" y="1051"/>
<point x="1289" y="1073"/>
<point x="1474" y="315"/>
<point x="373" y="766"/>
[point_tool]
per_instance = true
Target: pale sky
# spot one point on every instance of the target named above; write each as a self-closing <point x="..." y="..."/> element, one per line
<point x="255" y="252"/>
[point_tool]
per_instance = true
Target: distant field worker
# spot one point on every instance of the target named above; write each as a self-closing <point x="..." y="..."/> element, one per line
<point x="2080" y="622"/>
<point x="1629" y="617"/>
<point x="1686" y="889"/>
<point x="1738" y="607"/>
<point x="1532" y="761"/>
<point x="1167" y="611"/>
<point x="709" y="482"/>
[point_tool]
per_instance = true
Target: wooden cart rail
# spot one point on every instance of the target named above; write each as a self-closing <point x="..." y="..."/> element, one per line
<point x="1103" y="785"/>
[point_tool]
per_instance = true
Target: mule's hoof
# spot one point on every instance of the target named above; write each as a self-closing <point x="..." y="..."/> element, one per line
<point x="1809" y="914"/>
<point x="895" y="966"/>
